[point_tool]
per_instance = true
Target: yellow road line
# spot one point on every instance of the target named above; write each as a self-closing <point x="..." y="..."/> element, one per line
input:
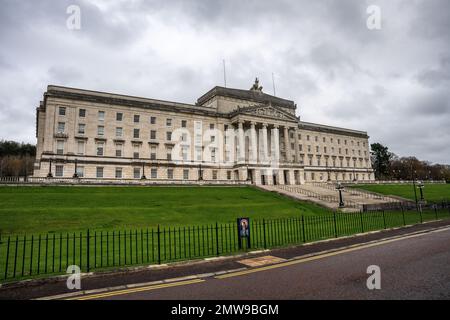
<point x="134" y="290"/>
<point x="325" y="255"/>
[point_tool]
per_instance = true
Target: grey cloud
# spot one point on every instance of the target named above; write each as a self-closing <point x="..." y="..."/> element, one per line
<point x="393" y="82"/>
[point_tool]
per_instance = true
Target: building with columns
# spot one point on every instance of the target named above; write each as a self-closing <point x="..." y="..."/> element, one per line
<point x="227" y="136"/>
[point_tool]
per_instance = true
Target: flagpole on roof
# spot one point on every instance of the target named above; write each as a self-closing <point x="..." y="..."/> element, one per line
<point x="224" y="73"/>
<point x="273" y="82"/>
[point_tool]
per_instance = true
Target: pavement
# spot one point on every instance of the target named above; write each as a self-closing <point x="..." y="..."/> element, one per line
<point x="414" y="263"/>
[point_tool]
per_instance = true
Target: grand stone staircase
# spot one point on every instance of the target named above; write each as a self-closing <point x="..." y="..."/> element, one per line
<point x="326" y="195"/>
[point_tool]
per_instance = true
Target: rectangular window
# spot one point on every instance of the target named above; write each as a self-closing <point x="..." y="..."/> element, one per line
<point x="154" y="173"/>
<point x="168" y="122"/>
<point x="169" y="136"/>
<point x="80" y="148"/>
<point x="101" y="115"/>
<point x="82" y="113"/>
<point x="198" y="152"/>
<point x="300" y="147"/>
<point x="136" y="155"/>
<point x="81" y="128"/>
<point x="119" y="132"/>
<point x="152" y="120"/>
<point x="153" y="153"/>
<point x="99" y="172"/>
<point x="214" y="174"/>
<point x="119" y="116"/>
<point x="228" y="175"/>
<point x="100" y="148"/>
<point x="119" y="148"/>
<point x="137" y="173"/>
<point x="211" y="126"/>
<point x="183" y="123"/>
<point x="80" y="172"/>
<point x="62" y="111"/>
<point x="153" y="135"/>
<point x="61" y="127"/>
<point x="118" y="173"/>
<point x="186" y="174"/>
<point x="60" y="147"/>
<point x="170" y="174"/>
<point x="136" y="118"/>
<point x="59" y="171"/>
<point x="136" y="133"/>
<point x="169" y="153"/>
<point x="101" y="131"/>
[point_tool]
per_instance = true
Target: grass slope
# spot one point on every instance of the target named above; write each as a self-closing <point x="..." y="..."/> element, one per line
<point x="62" y="209"/>
<point x="432" y="192"/>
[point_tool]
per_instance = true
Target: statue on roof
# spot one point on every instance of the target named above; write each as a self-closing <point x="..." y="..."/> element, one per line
<point x="256" y="86"/>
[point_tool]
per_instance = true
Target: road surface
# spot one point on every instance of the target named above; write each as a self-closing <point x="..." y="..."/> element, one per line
<point x="412" y="267"/>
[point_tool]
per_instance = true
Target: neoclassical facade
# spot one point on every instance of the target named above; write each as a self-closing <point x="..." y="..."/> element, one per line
<point x="228" y="135"/>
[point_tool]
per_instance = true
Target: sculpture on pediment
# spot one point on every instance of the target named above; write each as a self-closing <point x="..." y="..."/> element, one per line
<point x="256" y="86"/>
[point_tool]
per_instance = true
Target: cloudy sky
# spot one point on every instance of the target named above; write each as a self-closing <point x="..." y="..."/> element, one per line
<point x="393" y="82"/>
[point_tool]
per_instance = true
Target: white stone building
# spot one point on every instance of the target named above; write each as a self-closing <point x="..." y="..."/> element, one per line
<point x="229" y="136"/>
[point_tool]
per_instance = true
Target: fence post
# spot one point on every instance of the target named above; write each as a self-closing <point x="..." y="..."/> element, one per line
<point x="361" y="218"/>
<point x="435" y="211"/>
<point x="87" y="251"/>
<point x="335" y="225"/>
<point x="264" y="232"/>
<point x="403" y="215"/>
<point x="384" y="220"/>
<point x="159" y="245"/>
<point x="303" y="228"/>
<point x="7" y="258"/>
<point x="420" y="212"/>
<point x="217" y="239"/>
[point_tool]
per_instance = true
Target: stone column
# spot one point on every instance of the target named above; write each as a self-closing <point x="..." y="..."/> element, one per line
<point x="241" y="156"/>
<point x="254" y="143"/>
<point x="287" y="145"/>
<point x="276" y="145"/>
<point x="265" y="152"/>
<point x="297" y="151"/>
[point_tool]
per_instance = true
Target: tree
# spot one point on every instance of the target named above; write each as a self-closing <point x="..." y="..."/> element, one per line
<point x="381" y="158"/>
<point x="16" y="159"/>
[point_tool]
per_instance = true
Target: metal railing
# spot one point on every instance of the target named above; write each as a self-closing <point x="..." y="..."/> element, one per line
<point x="315" y="195"/>
<point x="34" y="255"/>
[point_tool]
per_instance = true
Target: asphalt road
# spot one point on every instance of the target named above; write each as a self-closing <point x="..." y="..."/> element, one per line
<point x="412" y="267"/>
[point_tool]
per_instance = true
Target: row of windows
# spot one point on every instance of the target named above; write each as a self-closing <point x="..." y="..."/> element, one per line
<point x="326" y="149"/>
<point x="120" y="117"/>
<point x="99" y="173"/>
<point x="324" y="139"/>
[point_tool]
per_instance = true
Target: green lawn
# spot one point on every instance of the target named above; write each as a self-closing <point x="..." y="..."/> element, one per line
<point x="65" y="209"/>
<point x="432" y="192"/>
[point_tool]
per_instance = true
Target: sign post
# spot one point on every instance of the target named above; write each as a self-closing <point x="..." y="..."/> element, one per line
<point x="243" y="225"/>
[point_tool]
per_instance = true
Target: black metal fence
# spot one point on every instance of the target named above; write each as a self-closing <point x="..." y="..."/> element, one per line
<point x="28" y="256"/>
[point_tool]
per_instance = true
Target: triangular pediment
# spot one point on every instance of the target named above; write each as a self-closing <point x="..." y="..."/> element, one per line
<point x="265" y="111"/>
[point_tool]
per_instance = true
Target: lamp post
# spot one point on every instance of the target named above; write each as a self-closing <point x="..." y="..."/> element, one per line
<point x="200" y="172"/>
<point x="75" y="174"/>
<point x="341" y="200"/>
<point x="50" y="175"/>
<point x="143" y="171"/>
<point x="421" y="186"/>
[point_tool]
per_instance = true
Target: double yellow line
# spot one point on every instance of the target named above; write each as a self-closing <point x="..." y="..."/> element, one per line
<point x="241" y="273"/>
<point x="325" y="255"/>
<point x="134" y="290"/>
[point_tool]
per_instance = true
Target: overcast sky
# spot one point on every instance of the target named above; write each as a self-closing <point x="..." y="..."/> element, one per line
<point x="393" y="83"/>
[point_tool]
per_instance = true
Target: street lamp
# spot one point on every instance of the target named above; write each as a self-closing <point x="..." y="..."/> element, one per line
<point x="421" y="186"/>
<point x="341" y="200"/>
<point x="75" y="174"/>
<point x="50" y="175"/>
<point x="200" y="172"/>
<point x="143" y="171"/>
